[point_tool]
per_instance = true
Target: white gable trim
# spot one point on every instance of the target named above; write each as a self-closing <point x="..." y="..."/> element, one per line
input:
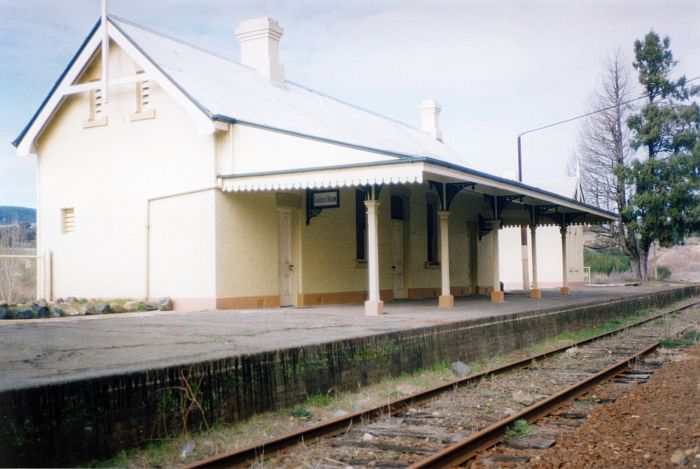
<point x="26" y="144"/>
<point x="200" y="116"/>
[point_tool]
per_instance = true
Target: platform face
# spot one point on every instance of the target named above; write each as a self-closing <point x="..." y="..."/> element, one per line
<point x="48" y="351"/>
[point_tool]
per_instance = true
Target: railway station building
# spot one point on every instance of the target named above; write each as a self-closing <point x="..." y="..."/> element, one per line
<point x="168" y="170"/>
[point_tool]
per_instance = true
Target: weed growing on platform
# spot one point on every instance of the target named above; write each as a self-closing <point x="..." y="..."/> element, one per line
<point x="520" y="428"/>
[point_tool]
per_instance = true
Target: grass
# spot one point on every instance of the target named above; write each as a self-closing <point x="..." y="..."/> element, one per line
<point x="575" y="336"/>
<point x="687" y="339"/>
<point x="606" y="261"/>
<point x="300" y="413"/>
<point x="520" y="428"/>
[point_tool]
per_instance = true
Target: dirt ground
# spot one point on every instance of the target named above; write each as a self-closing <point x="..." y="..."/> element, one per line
<point x="653" y="425"/>
<point x="682" y="261"/>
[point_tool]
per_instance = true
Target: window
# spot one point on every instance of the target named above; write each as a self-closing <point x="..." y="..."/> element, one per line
<point x="432" y="235"/>
<point x="397" y="208"/>
<point x="360" y="226"/>
<point x="67" y="220"/>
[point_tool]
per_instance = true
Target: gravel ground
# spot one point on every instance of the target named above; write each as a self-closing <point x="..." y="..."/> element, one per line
<point x="653" y="425"/>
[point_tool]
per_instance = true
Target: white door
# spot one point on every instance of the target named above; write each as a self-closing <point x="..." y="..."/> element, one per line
<point x="285" y="259"/>
<point x="397" y="254"/>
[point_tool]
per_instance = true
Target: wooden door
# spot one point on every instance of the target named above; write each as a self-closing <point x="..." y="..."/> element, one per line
<point x="285" y="259"/>
<point x="397" y="259"/>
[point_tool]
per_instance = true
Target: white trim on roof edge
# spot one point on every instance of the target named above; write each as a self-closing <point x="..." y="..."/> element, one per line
<point x="389" y="173"/>
<point x="326" y="178"/>
<point x="26" y="146"/>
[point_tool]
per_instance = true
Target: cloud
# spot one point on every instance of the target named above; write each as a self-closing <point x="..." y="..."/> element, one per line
<point x="498" y="68"/>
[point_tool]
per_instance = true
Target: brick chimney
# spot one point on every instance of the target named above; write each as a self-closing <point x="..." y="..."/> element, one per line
<point x="260" y="38"/>
<point x="430" y="118"/>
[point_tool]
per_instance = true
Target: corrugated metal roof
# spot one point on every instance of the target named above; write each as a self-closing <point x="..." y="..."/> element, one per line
<point x="566" y="186"/>
<point x="223" y="87"/>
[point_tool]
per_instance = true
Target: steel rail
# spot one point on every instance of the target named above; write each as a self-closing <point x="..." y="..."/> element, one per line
<point x="341" y="424"/>
<point x="465" y="449"/>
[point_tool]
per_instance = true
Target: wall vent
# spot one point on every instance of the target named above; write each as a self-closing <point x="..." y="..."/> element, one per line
<point x="67" y="220"/>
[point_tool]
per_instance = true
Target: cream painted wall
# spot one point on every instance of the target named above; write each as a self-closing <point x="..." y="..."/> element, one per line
<point x="182" y="247"/>
<point x="246" y="244"/>
<point x="107" y="174"/>
<point x="549" y="263"/>
<point x="257" y="150"/>
<point x="328" y="247"/>
<point x="485" y="268"/>
<point x="328" y="244"/>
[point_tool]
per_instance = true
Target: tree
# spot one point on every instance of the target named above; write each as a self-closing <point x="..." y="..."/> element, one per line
<point x="664" y="200"/>
<point x="604" y="151"/>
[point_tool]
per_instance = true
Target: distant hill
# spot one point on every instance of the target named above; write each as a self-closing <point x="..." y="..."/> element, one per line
<point x="10" y="215"/>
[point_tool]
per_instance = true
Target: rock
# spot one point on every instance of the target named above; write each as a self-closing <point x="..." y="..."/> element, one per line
<point x="523" y="398"/>
<point x="527" y="442"/>
<point x="340" y="413"/>
<point x="500" y="460"/>
<point x="187" y="449"/>
<point x="69" y="309"/>
<point x="407" y="389"/>
<point x="572" y="351"/>
<point x="131" y="306"/>
<point x="88" y="309"/>
<point x="5" y="311"/>
<point x="165" y="304"/>
<point x="102" y="308"/>
<point x="116" y="308"/>
<point x="71" y="300"/>
<point x="461" y="369"/>
<point x="678" y="457"/>
<point x="148" y="306"/>
<point x="57" y="311"/>
<point x="41" y="309"/>
<point x="367" y="437"/>
<point x="25" y="314"/>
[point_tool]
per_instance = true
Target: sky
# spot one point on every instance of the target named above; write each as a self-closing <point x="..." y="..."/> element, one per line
<point x="498" y="68"/>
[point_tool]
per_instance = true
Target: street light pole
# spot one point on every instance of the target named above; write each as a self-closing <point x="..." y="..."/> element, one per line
<point x="523" y="229"/>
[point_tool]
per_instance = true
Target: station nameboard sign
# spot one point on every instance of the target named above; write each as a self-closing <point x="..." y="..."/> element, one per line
<point x="325" y="199"/>
<point x="316" y="201"/>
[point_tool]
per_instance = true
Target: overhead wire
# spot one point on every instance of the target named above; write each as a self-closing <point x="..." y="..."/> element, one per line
<point x="593" y="112"/>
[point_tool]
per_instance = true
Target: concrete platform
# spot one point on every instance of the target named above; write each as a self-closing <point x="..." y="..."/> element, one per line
<point x="119" y="381"/>
<point x="41" y="352"/>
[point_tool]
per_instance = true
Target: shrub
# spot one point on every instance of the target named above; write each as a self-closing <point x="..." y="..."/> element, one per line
<point x="605" y="261"/>
<point x="663" y="272"/>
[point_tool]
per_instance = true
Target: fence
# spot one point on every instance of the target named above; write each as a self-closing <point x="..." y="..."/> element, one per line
<point x="24" y="276"/>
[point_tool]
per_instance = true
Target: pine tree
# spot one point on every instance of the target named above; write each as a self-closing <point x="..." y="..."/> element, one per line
<point x="664" y="204"/>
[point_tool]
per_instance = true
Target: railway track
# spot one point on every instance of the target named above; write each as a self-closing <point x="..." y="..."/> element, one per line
<point x="448" y="424"/>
